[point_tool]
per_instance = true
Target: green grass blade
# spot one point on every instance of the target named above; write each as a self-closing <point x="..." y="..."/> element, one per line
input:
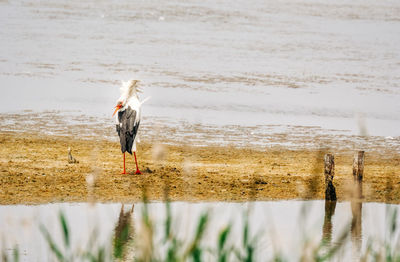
<point x="101" y="255"/>
<point x="16" y="254"/>
<point x="65" y="229"/>
<point x="196" y="254"/>
<point x="168" y="221"/>
<point x="250" y="253"/>
<point x="393" y="222"/>
<point x="194" y="251"/>
<point x="53" y="247"/>
<point x="201" y="226"/>
<point x="246" y="232"/>
<point x="223" y="237"/>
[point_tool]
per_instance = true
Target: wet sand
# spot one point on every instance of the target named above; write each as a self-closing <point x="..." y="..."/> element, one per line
<point x="34" y="169"/>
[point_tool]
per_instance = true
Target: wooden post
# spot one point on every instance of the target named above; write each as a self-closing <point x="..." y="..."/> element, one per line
<point x="358" y="166"/>
<point x="358" y="172"/>
<point x="356" y="204"/>
<point x="329" y="163"/>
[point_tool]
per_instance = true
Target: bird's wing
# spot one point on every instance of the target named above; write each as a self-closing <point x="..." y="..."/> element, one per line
<point x="133" y="122"/>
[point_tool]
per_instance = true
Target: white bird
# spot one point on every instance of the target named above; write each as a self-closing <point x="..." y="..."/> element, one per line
<point x="128" y="118"/>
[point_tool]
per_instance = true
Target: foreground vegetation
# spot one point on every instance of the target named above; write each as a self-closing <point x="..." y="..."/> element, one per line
<point x="143" y="246"/>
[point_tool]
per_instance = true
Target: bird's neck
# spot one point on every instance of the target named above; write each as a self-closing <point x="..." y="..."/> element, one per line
<point x="126" y="99"/>
<point x="130" y="101"/>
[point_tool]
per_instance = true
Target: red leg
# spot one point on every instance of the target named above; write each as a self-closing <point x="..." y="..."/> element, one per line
<point x="137" y="168"/>
<point x="123" y="173"/>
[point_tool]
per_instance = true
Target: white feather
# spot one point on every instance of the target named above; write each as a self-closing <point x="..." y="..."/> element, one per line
<point x="144" y="100"/>
<point x="128" y="89"/>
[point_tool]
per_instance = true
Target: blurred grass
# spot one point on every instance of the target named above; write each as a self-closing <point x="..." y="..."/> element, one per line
<point x="172" y="248"/>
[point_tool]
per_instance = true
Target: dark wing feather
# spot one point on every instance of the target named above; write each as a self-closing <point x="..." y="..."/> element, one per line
<point x="127" y="129"/>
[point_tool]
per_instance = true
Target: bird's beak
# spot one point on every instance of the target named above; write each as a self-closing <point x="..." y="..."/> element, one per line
<point x="118" y="107"/>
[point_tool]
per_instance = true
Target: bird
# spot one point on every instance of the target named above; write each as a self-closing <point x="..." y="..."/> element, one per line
<point x="128" y="114"/>
<point x="71" y="159"/>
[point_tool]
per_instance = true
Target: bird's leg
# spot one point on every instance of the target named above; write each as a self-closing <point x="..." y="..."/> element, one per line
<point x="137" y="168"/>
<point x="123" y="173"/>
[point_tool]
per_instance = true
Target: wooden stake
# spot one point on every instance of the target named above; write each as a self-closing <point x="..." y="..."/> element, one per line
<point x="329" y="170"/>
<point x="358" y="172"/>
<point x="358" y="166"/>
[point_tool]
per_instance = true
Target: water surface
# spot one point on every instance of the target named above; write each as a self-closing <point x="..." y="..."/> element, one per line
<point x="218" y="66"/>
<point x="280" y="225"/>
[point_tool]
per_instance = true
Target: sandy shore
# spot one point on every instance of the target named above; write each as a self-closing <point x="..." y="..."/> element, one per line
<point x="34" y="169"/>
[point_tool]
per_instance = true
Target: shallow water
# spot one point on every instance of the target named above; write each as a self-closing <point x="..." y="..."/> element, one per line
<point x="260" y="137"/>
<point x="334" y="66"/>
<point x="281" y="225"/>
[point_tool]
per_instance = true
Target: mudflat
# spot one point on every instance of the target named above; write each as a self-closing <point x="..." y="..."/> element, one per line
<point x="34" y="169"/>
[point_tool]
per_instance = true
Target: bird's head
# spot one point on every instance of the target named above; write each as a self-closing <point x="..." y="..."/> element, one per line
<point x="118" y="107"/>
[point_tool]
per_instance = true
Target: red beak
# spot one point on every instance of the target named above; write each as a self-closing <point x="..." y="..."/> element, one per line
<point x="118" y="107"/>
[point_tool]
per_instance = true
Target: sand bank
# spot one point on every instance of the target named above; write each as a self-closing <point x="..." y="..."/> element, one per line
<point x="34" y="169"/>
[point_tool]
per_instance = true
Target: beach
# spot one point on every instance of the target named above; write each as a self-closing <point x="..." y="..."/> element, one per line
<point x="35" y="169"/>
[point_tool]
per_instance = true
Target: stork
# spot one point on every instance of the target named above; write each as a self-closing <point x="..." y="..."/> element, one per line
<point x="127" y="114"/>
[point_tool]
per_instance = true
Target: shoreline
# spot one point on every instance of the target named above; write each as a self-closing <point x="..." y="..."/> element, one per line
<point x="172" y="132"/>
<point x="34" y="170"/>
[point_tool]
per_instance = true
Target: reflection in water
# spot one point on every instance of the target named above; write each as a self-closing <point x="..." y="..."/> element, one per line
<point x="356" y="229"/>
<point x="121" y="222"/>
<point x="356" y="205"/>
<point x="330" y="207"/>
<point x="123" y="233"/>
